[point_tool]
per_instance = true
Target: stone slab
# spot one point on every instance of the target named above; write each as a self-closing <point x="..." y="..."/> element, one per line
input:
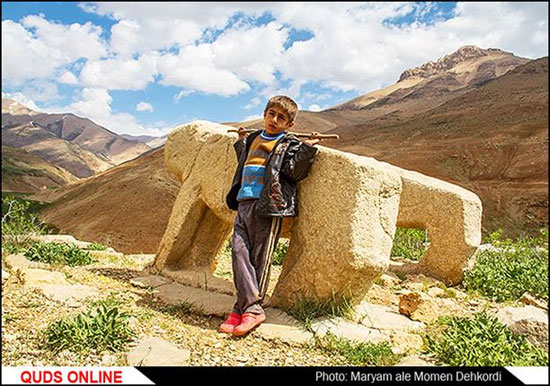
<point x="68" y="294"/>
<point x="342" y="328"/>
<point x="210" y="303"/>
<point x="384" y="318"/>
<point x="202" y="279"/>
<point x="150" y="281"/>
<point x="281" y="326"/>
<point x="35" y="276"/>
<point x="152" y="351"/>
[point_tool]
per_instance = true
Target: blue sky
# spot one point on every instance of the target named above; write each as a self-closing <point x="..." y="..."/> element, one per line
<point x="144" y="68"/>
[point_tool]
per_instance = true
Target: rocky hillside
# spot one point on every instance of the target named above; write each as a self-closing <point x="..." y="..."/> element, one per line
<point x="492" y="140"/>
<point x="75" y="144"/>
<point x="152" y="142"/>
<point x="27" y="173"/>
<point x="126" y="207"/>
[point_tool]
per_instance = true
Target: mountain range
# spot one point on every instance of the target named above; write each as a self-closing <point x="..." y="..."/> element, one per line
<point x="477" y="118"/>
<point x="75" y="144"/>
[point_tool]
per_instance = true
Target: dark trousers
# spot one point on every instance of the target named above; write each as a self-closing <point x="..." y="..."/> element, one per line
<point x="254" y="240"/>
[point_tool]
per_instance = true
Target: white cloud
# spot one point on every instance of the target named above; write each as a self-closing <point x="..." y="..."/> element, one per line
<point x="182" y="94"/>
<point x="38" y="49"/>
<point x="120" y="74"/>
<point x="254" y="102"/>
<point x="74" y="41"/>
<point x="314" y="107"/>
<point x="22" y="99"/>
<point x="95" y="104"/>
<point x="252" y="117"/>
<point x="252" y="53"/>
<point x="41" y="91"/>
<point x="68" y="78"/>
<point x="225" y="66"/>
<point x="24" y="57"/>
<point x="144" y="106"/>
<point x="194" y="69"/>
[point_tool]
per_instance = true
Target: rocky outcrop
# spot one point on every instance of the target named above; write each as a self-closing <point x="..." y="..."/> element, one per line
<point x="448" y="62"/>
<point x="529" y="321"/>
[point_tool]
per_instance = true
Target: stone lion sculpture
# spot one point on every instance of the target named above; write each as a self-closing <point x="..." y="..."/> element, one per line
<point x="349" y="208"/>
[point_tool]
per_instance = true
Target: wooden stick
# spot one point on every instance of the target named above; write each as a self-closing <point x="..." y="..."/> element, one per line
<point x="304" y="135"/>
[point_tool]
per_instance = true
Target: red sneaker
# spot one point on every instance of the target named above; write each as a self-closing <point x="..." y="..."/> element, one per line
<point x="230" y="323"/>
<point x="248" y="322"/>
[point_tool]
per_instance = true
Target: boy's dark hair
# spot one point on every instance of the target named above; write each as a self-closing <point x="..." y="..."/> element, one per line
<point x="284" y="102"/>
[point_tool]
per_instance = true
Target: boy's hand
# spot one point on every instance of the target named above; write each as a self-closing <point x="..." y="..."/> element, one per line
<point x="242" y="134"/>
<point x="313" y="140"/>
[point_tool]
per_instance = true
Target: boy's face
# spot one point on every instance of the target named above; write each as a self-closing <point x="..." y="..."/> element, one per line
<point x="276" y="120"/>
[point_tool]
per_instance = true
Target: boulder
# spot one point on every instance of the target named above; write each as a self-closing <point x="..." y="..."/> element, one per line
<point x="408" y="303"/>
<point x="527" y="320"/>
<point x="424" y="308"/>
<point x="105" y="255"/>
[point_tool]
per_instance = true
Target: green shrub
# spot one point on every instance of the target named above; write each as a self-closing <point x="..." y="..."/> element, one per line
<point x="57" y="253"/>
<point x="360" y="354"/>
<point x="280" y="252"/>
<point x="18" y="217"/>
<point x="104" y="328"/>
<point x="517" y="267"/>
<point x="481" y="341"/>
<point x="410" y="243"/>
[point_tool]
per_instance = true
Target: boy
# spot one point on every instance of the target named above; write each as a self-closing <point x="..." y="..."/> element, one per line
<point x="263" y="191"/>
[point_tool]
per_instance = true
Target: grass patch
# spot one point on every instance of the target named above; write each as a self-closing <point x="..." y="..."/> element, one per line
<point x="110" y="302"/>
<point x="306" y="310"/>
<point x="518" y="266"/>
<point x="186" y="308"/>
<point x="57" y="253"/>
<point x="359" y="354"/>
<point x="96" y="247"/>
<point x="481" y="341"/>
<point x="410" y="243"/>
<point x="103" y="328"/>
<point x="280" y="251"/>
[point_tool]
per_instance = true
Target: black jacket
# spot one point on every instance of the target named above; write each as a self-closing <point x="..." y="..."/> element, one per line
<point x="288" y="163"/>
